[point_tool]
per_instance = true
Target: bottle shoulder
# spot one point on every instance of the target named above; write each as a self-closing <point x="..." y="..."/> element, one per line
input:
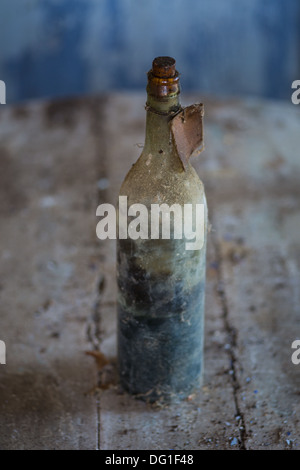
<point x="157" y="179"/>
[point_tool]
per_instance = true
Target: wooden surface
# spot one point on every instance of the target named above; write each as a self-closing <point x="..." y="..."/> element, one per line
<point x="58" y="161"/>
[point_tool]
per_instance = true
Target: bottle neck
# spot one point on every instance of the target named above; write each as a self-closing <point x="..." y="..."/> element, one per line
<point x="159" y="114"/>
<point x="162" y="105"/>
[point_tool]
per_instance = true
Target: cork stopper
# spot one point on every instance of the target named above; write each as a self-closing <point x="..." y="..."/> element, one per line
<point x="164" y="67"/>
<point x="163" y="78"/>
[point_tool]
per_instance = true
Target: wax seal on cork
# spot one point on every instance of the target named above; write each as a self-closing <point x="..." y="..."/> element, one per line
<point x="164" y="67"/>
<point x="163" y="78"/>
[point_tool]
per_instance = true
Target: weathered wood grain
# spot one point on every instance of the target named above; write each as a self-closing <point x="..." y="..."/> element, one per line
<point x="49" y="271"/>
<point x="254" y="200"/>
<point x="57" y="162"/>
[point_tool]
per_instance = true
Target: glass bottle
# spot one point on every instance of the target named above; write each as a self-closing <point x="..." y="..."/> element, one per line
<point x="161" y="277"/>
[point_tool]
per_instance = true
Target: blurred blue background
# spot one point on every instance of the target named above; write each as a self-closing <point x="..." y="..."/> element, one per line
<point x="223" y="47"/>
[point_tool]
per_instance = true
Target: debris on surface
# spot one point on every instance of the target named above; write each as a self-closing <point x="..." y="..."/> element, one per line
<point x="100" y="358"/>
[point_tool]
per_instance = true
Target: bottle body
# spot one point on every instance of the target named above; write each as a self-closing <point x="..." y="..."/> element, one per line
<point x="161" y="283"/>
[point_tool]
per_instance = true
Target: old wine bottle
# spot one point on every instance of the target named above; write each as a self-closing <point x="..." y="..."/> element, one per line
<point x="161" y="279"/>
